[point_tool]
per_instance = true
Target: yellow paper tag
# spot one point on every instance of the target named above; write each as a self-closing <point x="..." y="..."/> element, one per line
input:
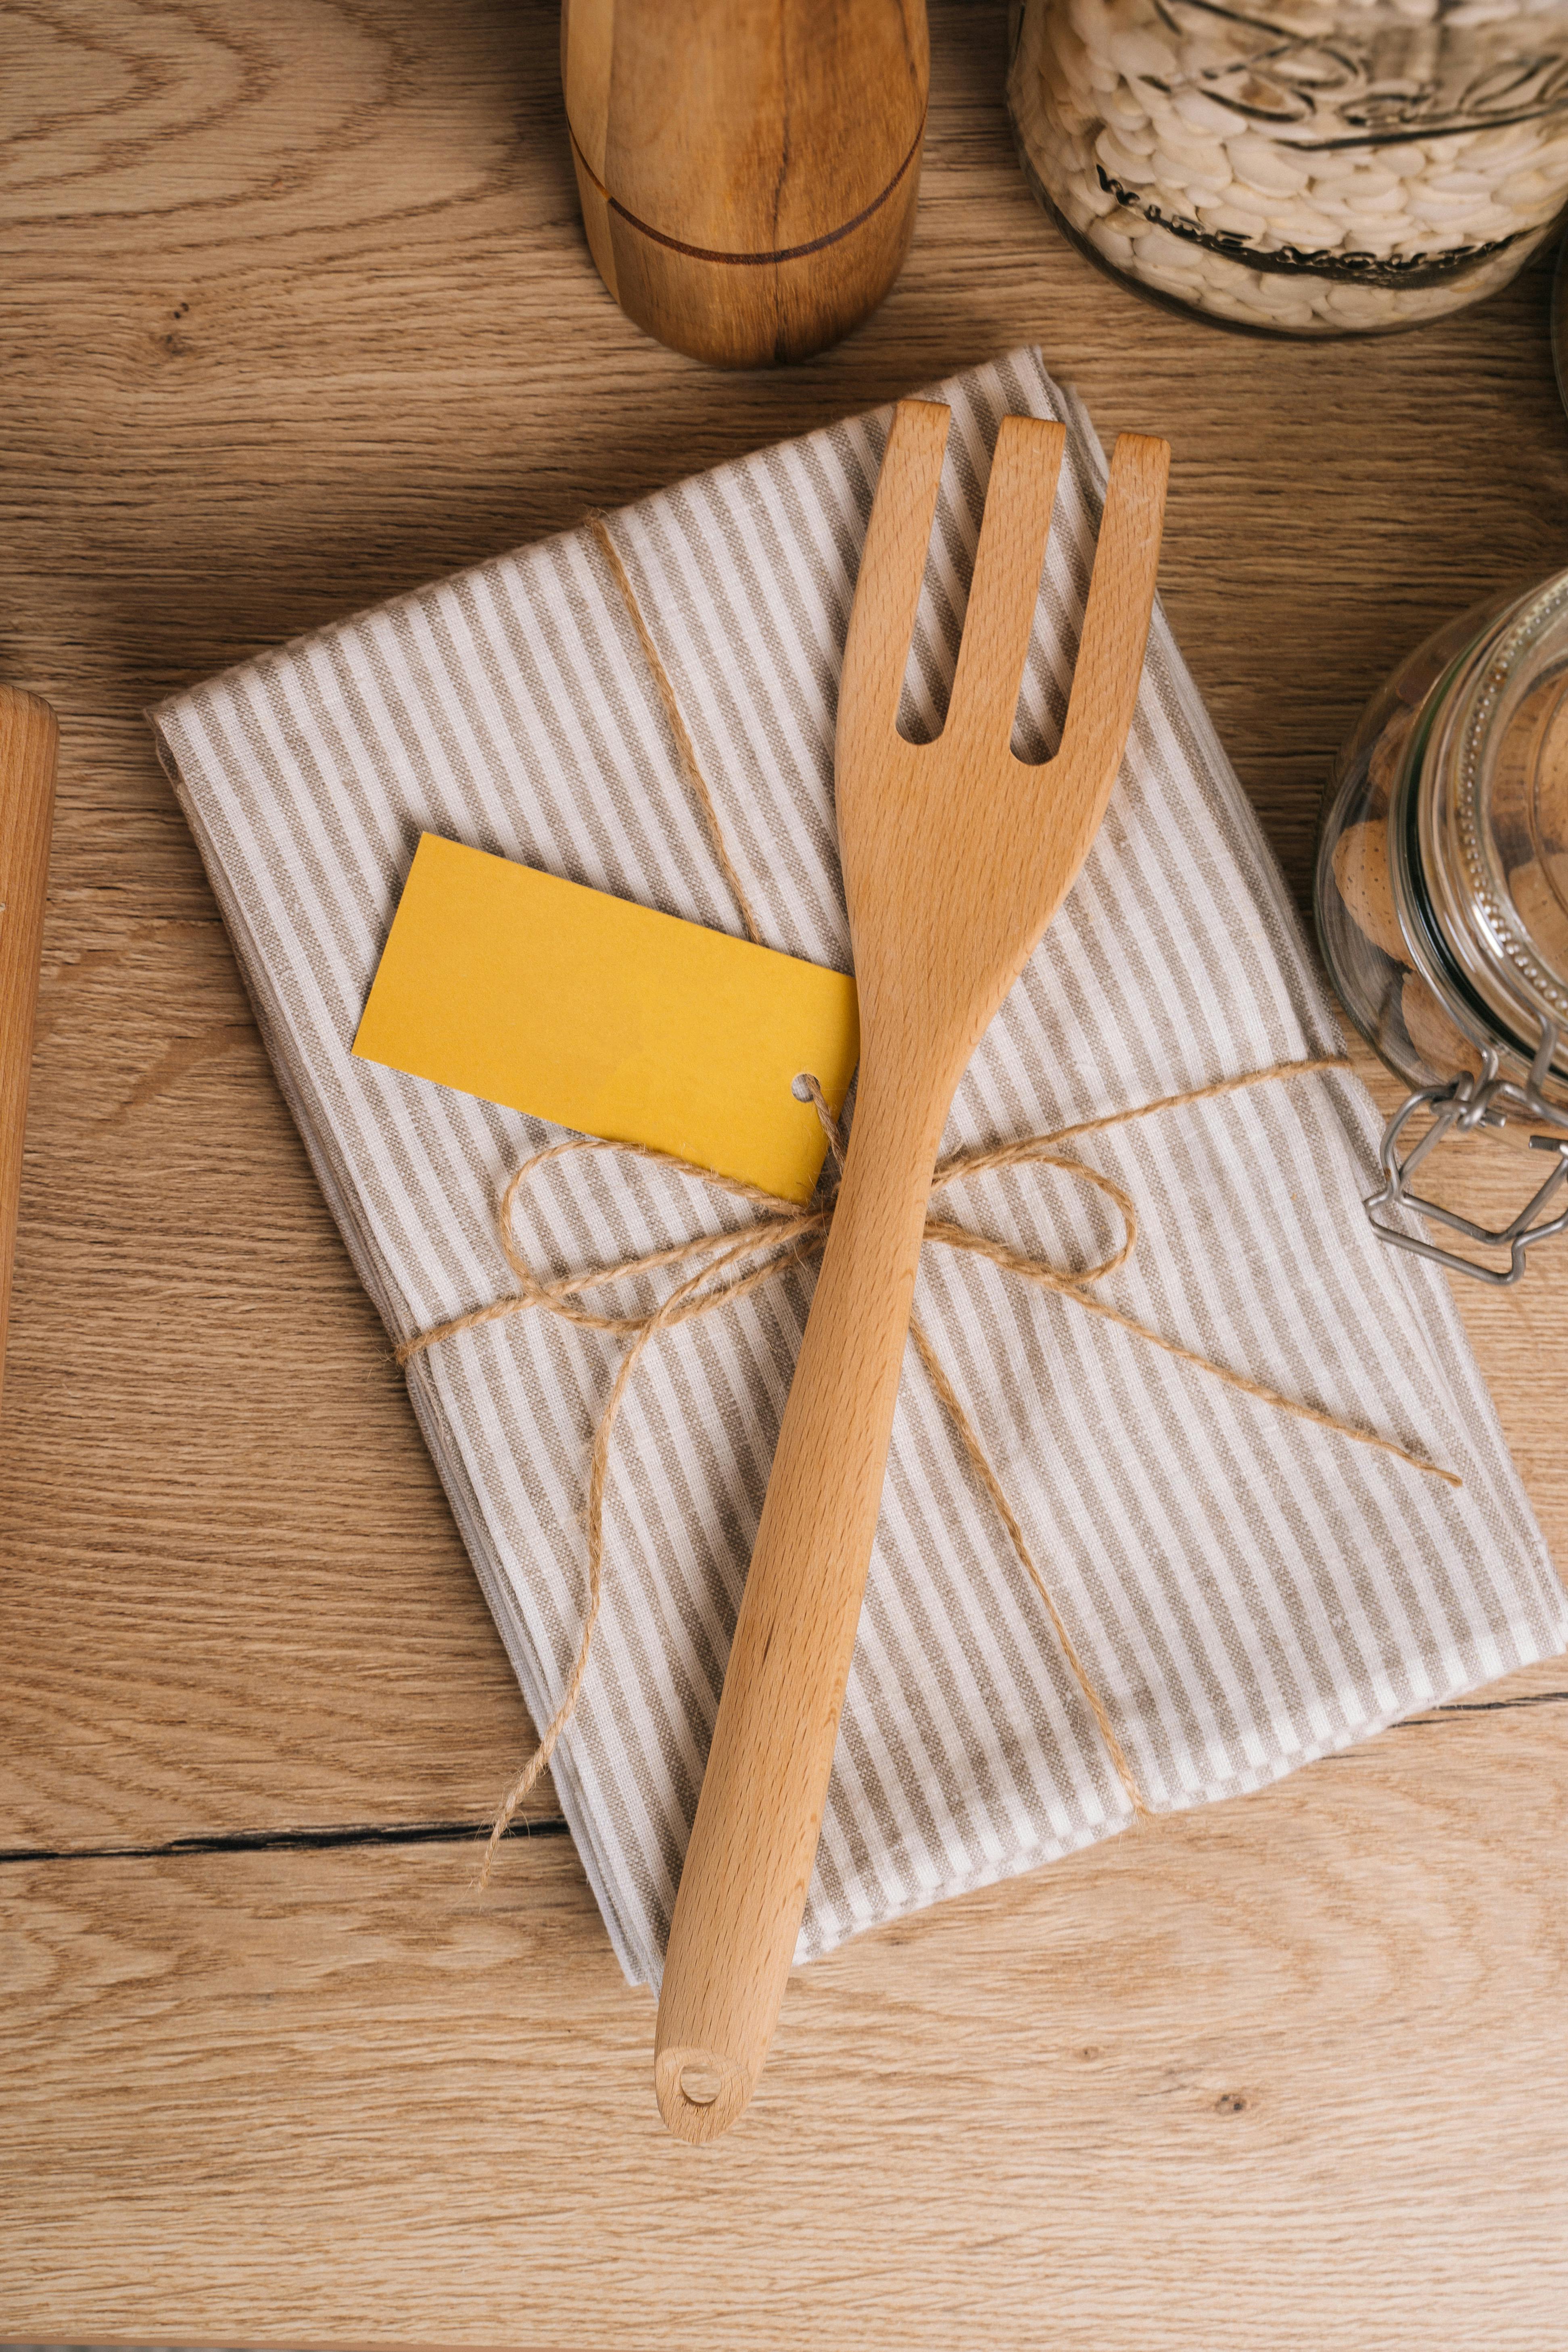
<point x="607" y="1017"/>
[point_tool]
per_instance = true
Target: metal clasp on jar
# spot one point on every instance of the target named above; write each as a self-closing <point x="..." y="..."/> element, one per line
<point x="1461" y="1106"/>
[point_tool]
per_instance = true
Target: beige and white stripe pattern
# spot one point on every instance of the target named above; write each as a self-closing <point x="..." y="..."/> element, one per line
<point x="1247" y="1590"/>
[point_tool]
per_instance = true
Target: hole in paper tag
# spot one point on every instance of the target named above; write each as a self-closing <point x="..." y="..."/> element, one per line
<point x="610" y="1018"/>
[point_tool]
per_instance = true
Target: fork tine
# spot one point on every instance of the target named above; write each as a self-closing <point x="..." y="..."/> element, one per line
<point x="1116" y="620"/>
<point x="888" y="592"/>
<point x="1006" y="586"/>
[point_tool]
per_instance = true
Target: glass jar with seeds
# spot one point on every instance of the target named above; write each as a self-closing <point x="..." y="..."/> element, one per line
<point x="1307" y="167"/>
<point x="1442" y="902"/>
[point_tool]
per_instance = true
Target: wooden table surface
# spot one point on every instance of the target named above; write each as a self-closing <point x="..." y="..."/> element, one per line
<point x="297" y="312"/>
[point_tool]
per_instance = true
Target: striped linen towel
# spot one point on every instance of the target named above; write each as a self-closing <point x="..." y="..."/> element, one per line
<point x="1247" y="1590"/>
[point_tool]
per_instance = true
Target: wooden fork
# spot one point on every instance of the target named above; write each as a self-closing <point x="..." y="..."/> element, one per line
<point x="956" y="854"/>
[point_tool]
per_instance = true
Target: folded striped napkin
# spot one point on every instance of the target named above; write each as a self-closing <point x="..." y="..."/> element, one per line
<point x="1246" y="1589"/>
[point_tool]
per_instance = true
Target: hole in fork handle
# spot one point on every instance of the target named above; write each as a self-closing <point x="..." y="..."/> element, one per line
<point x="700" y="2092"/>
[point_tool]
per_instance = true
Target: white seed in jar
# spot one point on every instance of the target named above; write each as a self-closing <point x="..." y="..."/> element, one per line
<point x="1441" y="211"/>
<point x="1138" y="135"/>
<point x="1204" y="113"/>
<point x="1307" y="228"/>
<point x="1425" y="242"/>
<point x="1123" y="111"/>
<point x="1123" y="162"/>
<point x="1193" y="154"/>
<point x="1146" y="56"/>
<point x="1358" y="306"/>
<point x="1260" y="209"/>
<point x="1280" y="297"/>
<point x="1228" y="220"/>
<point x="1210" y="176"/>
<point x="1493" y="149"/>
<point x="1333" y="164"/>
<point x="1376" y="192"/>
<point x="1265" y="166"/>
<point x="1113" y="244"/>
<point x="1159" y="249"/>
<point x="1460" y="184"/>
<point x="1526" y="192"/>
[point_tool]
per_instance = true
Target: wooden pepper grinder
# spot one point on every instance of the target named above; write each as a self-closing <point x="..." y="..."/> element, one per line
<point x="28" y="739"/>
<point x="748" y="168"/>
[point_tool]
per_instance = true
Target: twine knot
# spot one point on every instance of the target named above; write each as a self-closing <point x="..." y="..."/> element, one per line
<point x="716" y="1268"/>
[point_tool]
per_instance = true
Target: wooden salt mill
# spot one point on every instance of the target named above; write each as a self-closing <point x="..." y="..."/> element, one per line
<point x="748" y="168"/>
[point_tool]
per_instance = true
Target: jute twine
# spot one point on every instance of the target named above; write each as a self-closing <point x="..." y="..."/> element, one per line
<point x="716" y="1269"/>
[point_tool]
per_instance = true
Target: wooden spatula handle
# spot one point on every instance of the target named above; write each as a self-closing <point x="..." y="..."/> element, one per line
<point x="744" y="1885"/>
<point x="28" y="739"/>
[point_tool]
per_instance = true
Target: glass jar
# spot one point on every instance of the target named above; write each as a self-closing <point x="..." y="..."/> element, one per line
<point x="1442" y="902"/>
<point x="1299" y="167"/>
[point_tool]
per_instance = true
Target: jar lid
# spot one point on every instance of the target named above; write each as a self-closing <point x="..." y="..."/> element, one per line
<point x="1491" y="817"/>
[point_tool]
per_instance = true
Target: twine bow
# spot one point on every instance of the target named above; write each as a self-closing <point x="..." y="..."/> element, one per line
<point x="718" y="1268"/>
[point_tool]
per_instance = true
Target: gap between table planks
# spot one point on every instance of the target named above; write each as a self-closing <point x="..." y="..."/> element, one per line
<point x="1283" y="2073"/>
<point x="296" y="313"/>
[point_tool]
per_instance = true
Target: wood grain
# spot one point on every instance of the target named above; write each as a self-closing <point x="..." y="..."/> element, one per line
<point x="956" y="854"/>
<point x="1286" y="2073"/>
<point x="748" y="169"/>
<point x="298" y="312"/>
